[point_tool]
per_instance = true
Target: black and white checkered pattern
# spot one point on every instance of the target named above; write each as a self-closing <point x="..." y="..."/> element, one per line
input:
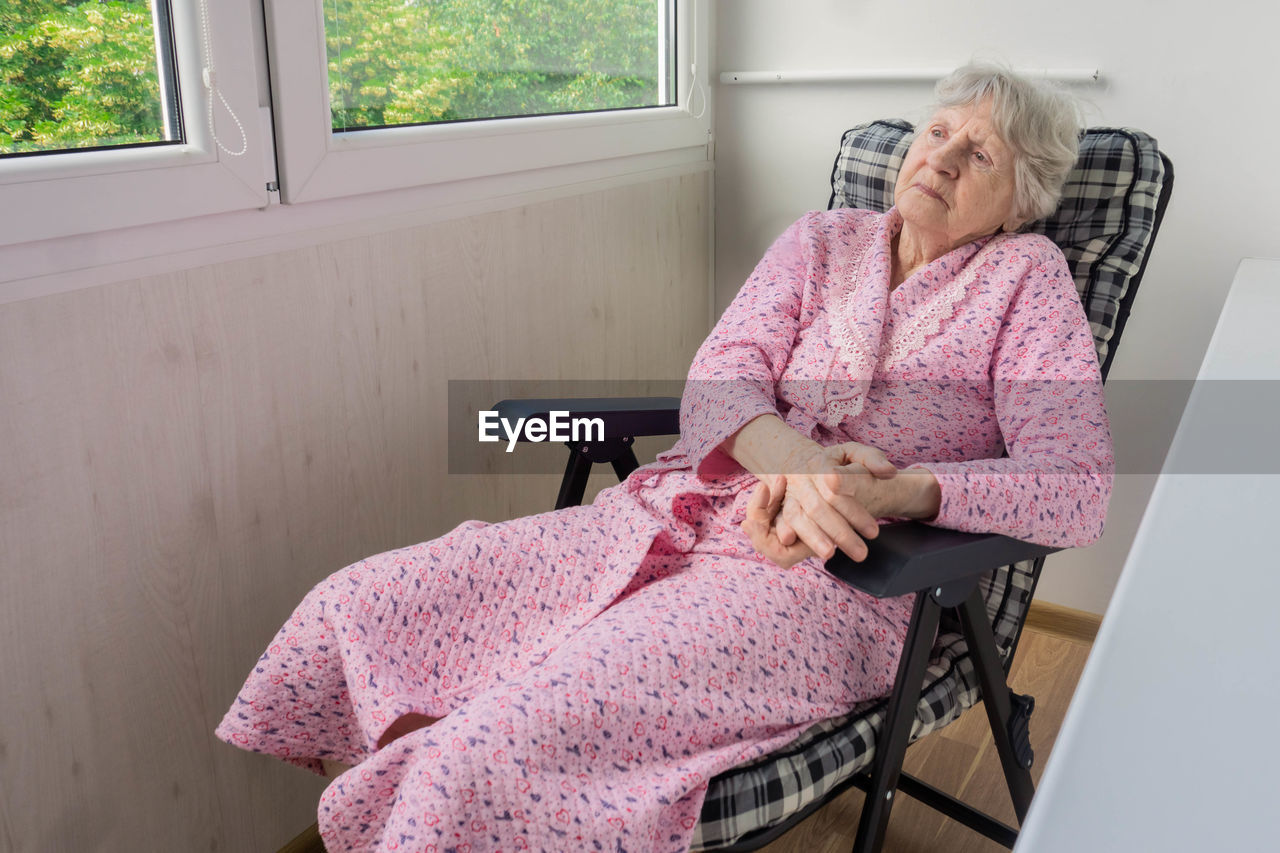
<point x="1106" y="222"/>
<point x="1104" y="226"/>
<point x="867" y="165"/>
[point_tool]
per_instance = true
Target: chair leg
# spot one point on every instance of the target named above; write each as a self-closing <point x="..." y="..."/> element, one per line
<point x="1016" y="759"/>
<point x="583" y="455"/>
<point x="574" y="482"/>
<point x="891" y="746"/>
<point x="625" y="463"/>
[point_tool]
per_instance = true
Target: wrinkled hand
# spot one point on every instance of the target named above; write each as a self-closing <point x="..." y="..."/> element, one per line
<point x="826" y="500"/>
<point x="831" y="498"/>
<point x="762" y="509"/>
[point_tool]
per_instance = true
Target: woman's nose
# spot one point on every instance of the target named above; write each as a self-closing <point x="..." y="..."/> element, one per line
<point x="944" y="158"/>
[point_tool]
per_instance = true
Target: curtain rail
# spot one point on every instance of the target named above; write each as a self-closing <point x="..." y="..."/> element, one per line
<point x="890" y="75"/>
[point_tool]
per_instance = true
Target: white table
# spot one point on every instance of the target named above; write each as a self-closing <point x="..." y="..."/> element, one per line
<point x="1171" y="742"/>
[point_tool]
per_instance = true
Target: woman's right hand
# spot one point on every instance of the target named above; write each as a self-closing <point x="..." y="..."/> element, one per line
<point x="815" y="498"/>
<point x="837" y="520"/>
<point x="830" y="498"/>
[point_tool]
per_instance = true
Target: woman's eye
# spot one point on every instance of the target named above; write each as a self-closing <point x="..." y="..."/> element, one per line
<point x="981" y="158"/>
<point x="935" y="132"/>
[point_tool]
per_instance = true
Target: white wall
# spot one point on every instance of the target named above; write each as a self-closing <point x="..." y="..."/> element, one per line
<point x="1201" y="79"/>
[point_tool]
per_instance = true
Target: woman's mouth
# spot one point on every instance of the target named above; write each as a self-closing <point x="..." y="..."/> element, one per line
<point x="930" y="193"/>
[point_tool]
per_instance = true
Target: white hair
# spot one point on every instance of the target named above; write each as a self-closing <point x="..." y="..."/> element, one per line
<point x="1041" y="122"/>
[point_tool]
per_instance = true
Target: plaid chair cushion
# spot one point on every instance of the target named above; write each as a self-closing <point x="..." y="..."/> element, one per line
<point x="1104" y="226"/>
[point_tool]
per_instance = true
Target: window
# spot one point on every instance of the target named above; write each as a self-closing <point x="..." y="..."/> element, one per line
<point x="76" y="75"/>
<point x="395" y="63"/>
<point x="383" y="94"/>
<point x="104" y="114"/>
<point x="153" y="111"/>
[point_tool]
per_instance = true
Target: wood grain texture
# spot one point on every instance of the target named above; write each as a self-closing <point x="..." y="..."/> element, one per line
<point x="1066" y="622"/>
<point x="184" y="456"/>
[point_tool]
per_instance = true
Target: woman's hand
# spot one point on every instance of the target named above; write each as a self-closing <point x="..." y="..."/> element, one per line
<point x="831" y="499"/>
<point x="791" y="517"/>
<point x="762" y="509"/>
<point x="814" y="499"/>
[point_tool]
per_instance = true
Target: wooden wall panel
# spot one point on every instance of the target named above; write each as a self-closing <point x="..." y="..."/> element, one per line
<point x="184" y="456"/>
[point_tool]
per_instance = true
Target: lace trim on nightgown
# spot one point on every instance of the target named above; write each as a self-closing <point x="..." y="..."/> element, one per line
<point x="851" y="348"/>
<point x="925" y="324"/>
<point x="904" y="340"/>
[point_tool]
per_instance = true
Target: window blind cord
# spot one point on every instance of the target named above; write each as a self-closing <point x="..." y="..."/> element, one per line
<point x="210" y="78"/>
<point x="695" y="85"/>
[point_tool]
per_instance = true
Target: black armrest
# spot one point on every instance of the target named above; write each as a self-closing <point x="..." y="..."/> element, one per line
<point x="623" y="416"/>
<point x="909" y="556"/>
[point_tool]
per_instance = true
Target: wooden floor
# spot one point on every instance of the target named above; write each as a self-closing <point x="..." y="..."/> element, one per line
<point x="960" y="760"/>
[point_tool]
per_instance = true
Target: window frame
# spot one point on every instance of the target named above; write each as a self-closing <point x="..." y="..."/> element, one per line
<point x="316" y="163"/>
<point x="65" y="193"/>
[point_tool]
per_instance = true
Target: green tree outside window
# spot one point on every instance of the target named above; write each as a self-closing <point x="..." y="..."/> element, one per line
<point x="396" y="62"/>
<point x="77" y="74"/>
<point x="82" y="73"/>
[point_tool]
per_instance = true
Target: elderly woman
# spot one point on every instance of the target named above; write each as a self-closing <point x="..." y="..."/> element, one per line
<point x="572" y="680"/>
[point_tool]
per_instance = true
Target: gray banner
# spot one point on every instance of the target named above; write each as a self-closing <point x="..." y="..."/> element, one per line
<point x="1230" y="429"/>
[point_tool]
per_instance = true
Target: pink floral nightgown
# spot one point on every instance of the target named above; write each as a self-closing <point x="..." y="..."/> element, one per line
<point x="595" y="667"/>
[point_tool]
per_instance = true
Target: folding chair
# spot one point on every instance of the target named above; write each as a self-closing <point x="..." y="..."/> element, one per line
<point x="973" y="590"/>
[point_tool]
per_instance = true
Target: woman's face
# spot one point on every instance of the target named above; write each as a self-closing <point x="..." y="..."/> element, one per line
<point x="956" y="182"/>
